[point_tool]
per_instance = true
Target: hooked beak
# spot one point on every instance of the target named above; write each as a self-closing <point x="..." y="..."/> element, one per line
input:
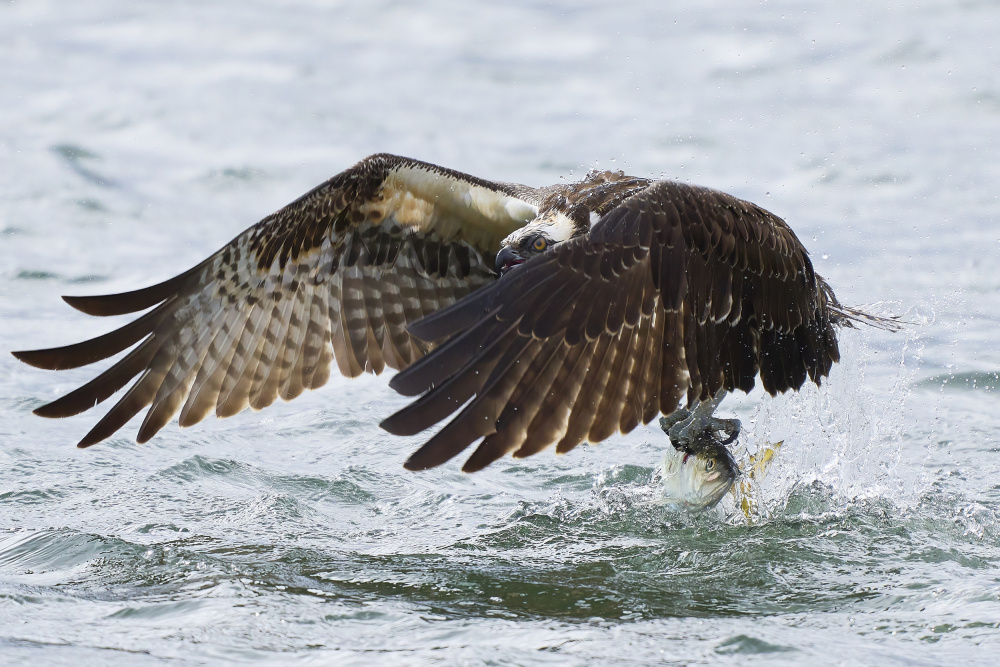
<point x="506" y="260"/>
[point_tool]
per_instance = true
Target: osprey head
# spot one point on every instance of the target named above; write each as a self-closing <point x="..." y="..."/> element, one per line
<point x="552" y="226"/>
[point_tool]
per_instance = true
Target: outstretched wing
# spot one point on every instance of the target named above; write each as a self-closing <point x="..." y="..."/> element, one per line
<point x="337" y="274"/>
<point x="676" y="293"/>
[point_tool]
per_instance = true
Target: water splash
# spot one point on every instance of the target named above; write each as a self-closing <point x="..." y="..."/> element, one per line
<point x="846" y="435"/>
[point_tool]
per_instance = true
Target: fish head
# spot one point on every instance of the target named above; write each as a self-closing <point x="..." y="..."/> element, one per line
<point x="698" y="479"/>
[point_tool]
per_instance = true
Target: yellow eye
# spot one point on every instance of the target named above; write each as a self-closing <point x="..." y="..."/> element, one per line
<point x="539" y="243"/>
<point x="710" y="465"/>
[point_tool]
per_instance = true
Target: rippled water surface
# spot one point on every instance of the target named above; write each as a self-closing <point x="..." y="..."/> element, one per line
<point x="136" y="139"/>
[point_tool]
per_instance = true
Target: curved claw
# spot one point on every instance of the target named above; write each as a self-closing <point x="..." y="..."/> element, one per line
<point x="731" y="427"/>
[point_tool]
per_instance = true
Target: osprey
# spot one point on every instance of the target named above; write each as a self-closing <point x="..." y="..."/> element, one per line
<point x="618" y="299"/>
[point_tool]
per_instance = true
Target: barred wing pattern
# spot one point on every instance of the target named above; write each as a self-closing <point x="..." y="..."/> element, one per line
<point x="678" y="292"/>
<point x="336" y="275"/>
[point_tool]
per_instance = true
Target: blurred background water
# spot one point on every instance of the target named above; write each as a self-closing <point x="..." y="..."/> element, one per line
<point x="135" y="139"/>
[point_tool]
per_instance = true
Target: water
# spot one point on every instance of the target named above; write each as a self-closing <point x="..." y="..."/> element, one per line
<point x="136" y="140"/>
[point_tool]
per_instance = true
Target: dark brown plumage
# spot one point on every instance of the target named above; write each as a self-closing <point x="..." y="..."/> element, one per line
<point x="675" y="294"/>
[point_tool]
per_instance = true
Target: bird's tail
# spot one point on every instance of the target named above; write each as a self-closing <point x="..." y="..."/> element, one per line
<point x="847" y="317"/>
<point x="843" y="316"/>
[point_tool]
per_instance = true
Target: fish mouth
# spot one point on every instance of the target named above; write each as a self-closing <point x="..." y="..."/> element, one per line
<point x="708" y="501"/>
<point x="719" y="493"/>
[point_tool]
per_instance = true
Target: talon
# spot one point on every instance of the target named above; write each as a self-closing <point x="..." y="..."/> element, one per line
<point x="732" y="435"/>
<point x="681" y="436"/>
<point x="674" y="417"/>
<point x="731" y="427"/>
<point x="673" y="426"/>
<point x="686" y="427"/>
<point x="686" y="432"/>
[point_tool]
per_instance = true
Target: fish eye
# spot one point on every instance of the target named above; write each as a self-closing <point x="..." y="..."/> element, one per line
<point x="539" y="243"/>
<point x="710" y="466"/>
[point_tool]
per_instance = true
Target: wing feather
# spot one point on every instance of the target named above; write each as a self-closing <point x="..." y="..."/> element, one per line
<point x="334" y="276"/>
<point x="677" y="292"/>
<point x="104" y="385"/>
<point x="513" y="424"/>
<point x="478" y="418"/>
<point x="264" y="388"/>
<point x="316" y="343"/>
<point x="234" y="396"/>
<point x="205" y="390"/>
<point x="397" y="339"/>
<point x="287" y="385"/>
<point x="609" y="408"/>
<point x="634" y="398"/>
<point x="180" y="371"/>
<point x="552" y="420"/>
<point x="135" y="399"/>
<point x="584" y="408"/>
<point x="290" y="384"/>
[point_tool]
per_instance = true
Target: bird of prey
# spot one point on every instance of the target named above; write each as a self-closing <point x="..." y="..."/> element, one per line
<point x="542" y="316"/>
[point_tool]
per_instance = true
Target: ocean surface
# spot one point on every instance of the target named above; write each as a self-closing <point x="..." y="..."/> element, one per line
<point x="136" y="138"/>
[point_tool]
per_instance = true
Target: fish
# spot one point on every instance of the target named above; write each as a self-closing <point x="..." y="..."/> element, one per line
<point x="697" y="480"/>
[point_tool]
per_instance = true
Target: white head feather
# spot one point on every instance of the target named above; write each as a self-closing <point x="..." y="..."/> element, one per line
<point x="555" y="226"/>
